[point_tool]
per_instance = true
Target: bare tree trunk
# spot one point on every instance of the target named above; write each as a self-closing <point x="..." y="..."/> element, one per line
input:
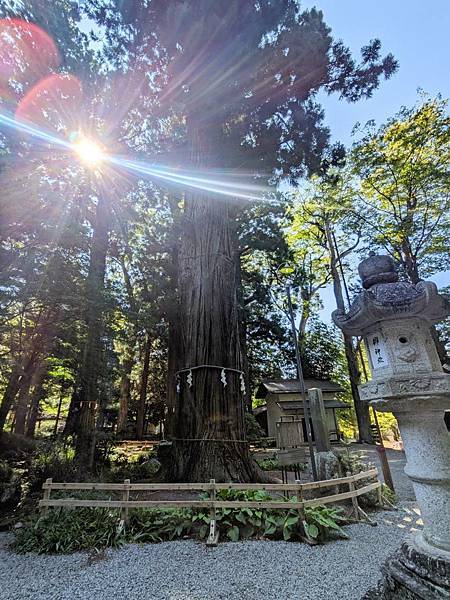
<point x="125" y="392"/>
<point x="209" y="430"/>
<point x="23" y="401"/>
<point x="140" y="416"/>
<point x="36" y="397"/>
<point x="361" y="408"/>
<point x="73" y="413"/>
<point x="88" y="394"/>
<point x="10" y="392"/>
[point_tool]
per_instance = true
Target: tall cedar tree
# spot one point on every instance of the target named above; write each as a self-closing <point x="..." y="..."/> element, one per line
<point x="243" y="76"/>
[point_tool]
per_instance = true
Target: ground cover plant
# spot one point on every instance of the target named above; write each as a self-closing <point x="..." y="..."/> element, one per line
<point x="62" y="531"/>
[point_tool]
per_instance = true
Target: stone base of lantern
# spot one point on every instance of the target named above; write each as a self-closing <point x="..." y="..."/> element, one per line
<point x="415" y="572"/>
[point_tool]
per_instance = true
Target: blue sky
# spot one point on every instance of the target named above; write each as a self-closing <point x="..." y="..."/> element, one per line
<point x="417" y="34"/>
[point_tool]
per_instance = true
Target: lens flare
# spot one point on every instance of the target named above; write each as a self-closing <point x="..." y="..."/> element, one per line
<point x="89" y="152"/>
<point x="230" y="184"/>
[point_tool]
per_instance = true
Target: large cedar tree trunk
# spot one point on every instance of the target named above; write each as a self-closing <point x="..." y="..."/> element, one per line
<point x="208" y="429"/>
<point x="88" y="392"/>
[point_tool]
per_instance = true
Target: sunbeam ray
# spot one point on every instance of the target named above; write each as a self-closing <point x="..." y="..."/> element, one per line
<point x="198" y="181"/>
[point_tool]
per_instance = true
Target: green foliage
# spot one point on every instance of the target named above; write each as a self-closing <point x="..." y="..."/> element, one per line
<point x="269" y="464"/>
<point x="388" y="425"/>
<point x="321" y="521"/>
<point x="126" y="464"/>
<point x="322" y="352"/>
<point x="135" y="471"/>
<point x="253" y="429"/>
<point x="389" y="494"/>
<point x="10" y="486"/>
<point x="268" y="523"/>
<point x="403" y="201"/>
<point x="6" y="472"/>
<point x="352" y="462"/>
<point x="71" y="530"/>
<point x="53" y="459"/>
<point x="157" y="525"/>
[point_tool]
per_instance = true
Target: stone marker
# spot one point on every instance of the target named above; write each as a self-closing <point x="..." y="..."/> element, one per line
<point x="395" y="317"/>
<point x="327" y="462"/>
<point x="319" y="420"/>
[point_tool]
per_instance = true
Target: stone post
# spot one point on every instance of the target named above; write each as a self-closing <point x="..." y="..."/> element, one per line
<point x="394" y="319"/>
<point x="318" y="418"/>
<point x="326" y="461"/>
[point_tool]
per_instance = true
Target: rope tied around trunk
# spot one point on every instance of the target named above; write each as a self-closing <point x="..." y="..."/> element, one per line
<point x="223" y="376"/>
<point x="225" y="441"/>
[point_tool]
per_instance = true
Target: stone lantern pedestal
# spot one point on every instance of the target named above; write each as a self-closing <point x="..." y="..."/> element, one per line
<point x="394" y="318"/>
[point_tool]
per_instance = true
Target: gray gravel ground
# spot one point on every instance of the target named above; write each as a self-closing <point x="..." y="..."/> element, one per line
<point x="187" y="570"/>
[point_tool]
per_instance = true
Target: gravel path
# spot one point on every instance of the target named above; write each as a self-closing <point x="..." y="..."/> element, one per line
<point x="187" y="570"/>
<point x="397" y="462"/>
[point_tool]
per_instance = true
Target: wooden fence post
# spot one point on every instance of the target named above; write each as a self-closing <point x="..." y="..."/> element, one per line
<point x="125" y="498"/>
<point x="352" y="488"/>
<point x="47" y="490"/>
<point x="213" y="537"/>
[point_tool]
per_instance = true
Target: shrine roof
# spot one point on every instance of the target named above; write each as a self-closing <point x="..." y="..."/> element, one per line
<point x="292" y="386"/>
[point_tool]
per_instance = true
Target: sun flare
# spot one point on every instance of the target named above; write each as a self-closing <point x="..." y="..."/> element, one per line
<point x="88" y="151"/>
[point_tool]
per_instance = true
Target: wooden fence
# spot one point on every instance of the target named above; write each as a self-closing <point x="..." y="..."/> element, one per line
<point x="299" y="489"/>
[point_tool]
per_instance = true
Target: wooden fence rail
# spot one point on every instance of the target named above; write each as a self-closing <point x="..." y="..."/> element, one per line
<point x="126" y="488"/>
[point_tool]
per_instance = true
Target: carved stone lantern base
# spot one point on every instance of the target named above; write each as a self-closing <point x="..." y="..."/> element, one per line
<point x="414" y="573"/>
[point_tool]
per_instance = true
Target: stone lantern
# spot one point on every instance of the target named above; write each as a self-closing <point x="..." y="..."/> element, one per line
<point x="394" y="318"/>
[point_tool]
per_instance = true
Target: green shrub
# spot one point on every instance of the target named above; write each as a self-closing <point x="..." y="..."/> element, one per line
<point x="158" y="525"/>
<point x="388" y="494"/>
<point x="10" y="487"/>
<point x="135" y="470"/>
<point x="63" y="531"/>
<point x="244" y="523"/>
<point x="269" y="464"/>
<point x="352" y="462"/>
<point x="253" y="429"/>
<point x="70" y="530"/>
<point x="55" y="460"/>
<point x="321" y="521"/>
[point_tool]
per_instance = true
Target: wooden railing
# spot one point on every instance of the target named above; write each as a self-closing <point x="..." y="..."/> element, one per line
<point x="299" y="489"/>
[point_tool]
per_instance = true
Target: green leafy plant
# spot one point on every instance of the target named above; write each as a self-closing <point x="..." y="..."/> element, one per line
<point x="253" y="429"/>
<point x="388" y="494"/>
<point x="269" y="464"/>
<point x="71" y="530"/>
<point x="321" y="521"/>
<point x="156" y="525"/>
<point x="52" y="459"/>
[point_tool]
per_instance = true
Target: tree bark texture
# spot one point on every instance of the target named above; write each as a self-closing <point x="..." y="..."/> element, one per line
<point x="125" y="392"/>
<point x="208" y="431"/>
<point x="88" y="394"/>
<point x="23" y="401"/>
<point x="36" y="397"/>
<point x="10" y="392"/>
<point x="140" y="415"/>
